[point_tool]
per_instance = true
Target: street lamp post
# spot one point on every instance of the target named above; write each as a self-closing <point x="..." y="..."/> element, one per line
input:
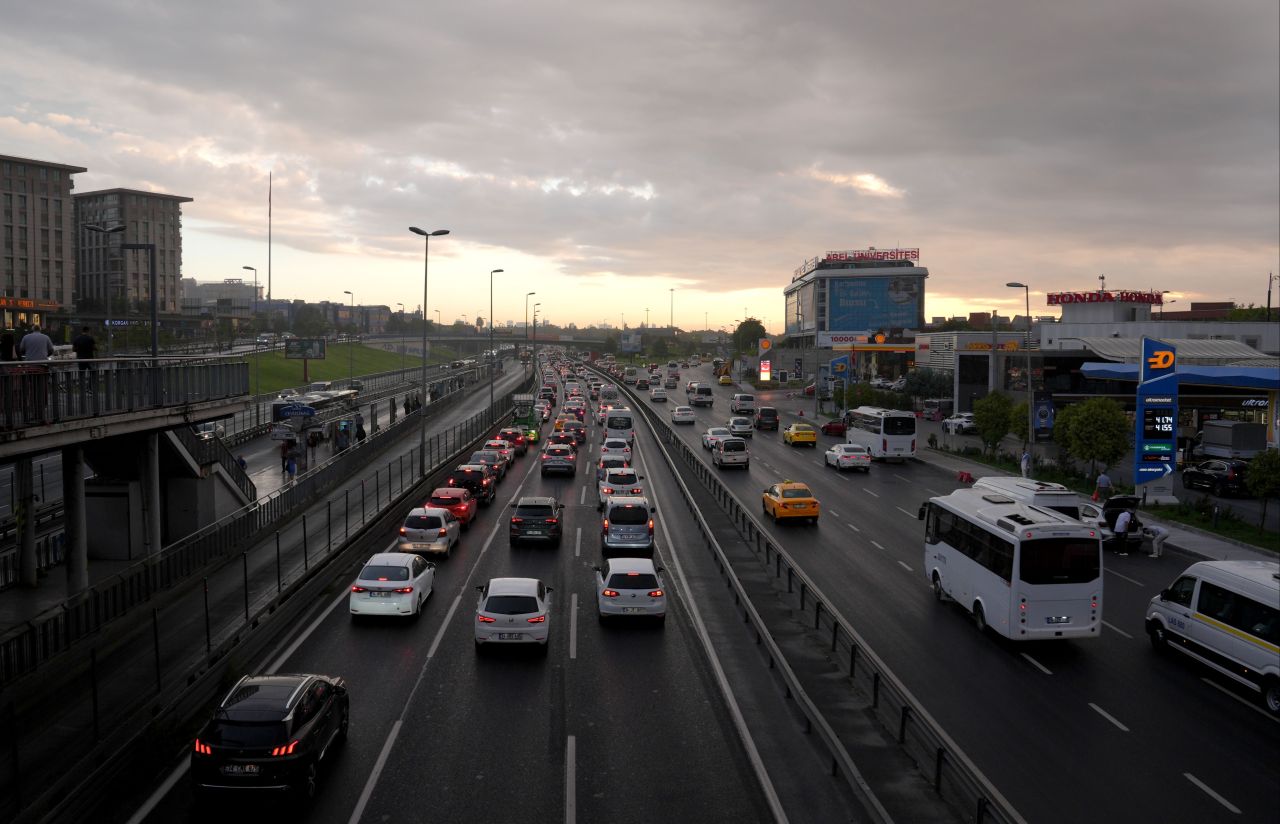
<point x="527" y="295"/>
<point x="110" y="280"/>
<point x="438" y="321"/>
<point x="535" y="333"/>
<point x="402" y="346"/>
<point x="493" y="356"/>
<point x="1031" y="414"/>
<point x="255" y="295"/>
<point x="422" y="417"/>
<point x="351" y="357"/>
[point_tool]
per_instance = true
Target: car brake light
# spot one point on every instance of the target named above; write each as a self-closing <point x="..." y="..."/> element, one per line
<point x="609" y="593"/>
<point x="606" y="524"/>
<point x="608" y="490"/>
<point x="1231" y="474"/>
<point x="485" y="482"/>
<point x="285" y="749"/>
<point x="203" y="748"/>
<point x="553" y="521"/>
<point x="633" y="574"/>
<point x="636" y="491"/>
<point x="515" y="520"/>
<point x="402" y="532"/>
<point x="443" y="532"/>
<point x="650" y="526"/>
<point x="358" y="589"/>
<point x="485" y="619"/>
<point x="451" y="482"/>
<point x="404" y="590"/>
<point x="537" y="619"/>
<point x="657" y="593"/>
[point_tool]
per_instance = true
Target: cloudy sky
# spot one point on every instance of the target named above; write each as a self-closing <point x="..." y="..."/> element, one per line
<point x="606" y="153"/>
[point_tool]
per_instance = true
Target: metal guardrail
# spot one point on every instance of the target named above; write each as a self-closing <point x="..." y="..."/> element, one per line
<point x="59" y="391"/>
<point x="49" y="553"/>
<point x="954" y="776"/>
<point x="206" y="451"/>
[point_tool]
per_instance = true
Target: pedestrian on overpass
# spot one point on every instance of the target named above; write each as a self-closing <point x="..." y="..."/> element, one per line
<point x="284" y="456"/>
<point x="291" y="467"/>
<point x="85" y="347"/>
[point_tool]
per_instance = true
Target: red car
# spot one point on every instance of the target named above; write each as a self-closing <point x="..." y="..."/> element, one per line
<point x="833" y="427"/>
<point x="457" y="500"/>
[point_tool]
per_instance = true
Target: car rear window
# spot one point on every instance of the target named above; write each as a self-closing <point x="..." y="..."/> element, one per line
<point x="511" y="604"/>
<point x="423" y="522"/>
<point x="628" y="515"/>
<point x="633" y="580"/>
<point x="232" y="734"/>
<point x="796" y="492"/>
<point x="445" y="500"/>
<point x="622" y="477"/>
<point x="734" y="446"/>
<point x="379" y="572"/>
<point x="619" y="422"/>
<point x="535" y="510"/>
<point x="559" y="451"/>
<point x="767" y="412"/>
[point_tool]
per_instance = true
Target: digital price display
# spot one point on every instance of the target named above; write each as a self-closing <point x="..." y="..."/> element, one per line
<point x="1158" y="423"/>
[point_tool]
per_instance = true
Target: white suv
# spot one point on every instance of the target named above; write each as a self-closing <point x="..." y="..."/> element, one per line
<point x="743" y="403"/>
<point x="623" y="481"/>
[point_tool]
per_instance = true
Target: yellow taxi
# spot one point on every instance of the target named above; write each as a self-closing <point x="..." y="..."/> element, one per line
<point x="800" y="433"/>
<point x="790" y="499"/>
<point x="725" y="380"/>
<point x="562" y="419"/>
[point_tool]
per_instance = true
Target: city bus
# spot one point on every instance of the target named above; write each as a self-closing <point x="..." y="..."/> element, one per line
<point x="1026" y="572"/>
<point x="889" y="434"/>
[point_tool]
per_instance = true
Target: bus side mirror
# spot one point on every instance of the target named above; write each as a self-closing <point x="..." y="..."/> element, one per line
<point x="1164" y="595"/>
<point x="921" y="511"/>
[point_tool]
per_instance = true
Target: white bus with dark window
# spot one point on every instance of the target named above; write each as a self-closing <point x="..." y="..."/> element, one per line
<point x="1026" y="572"/>
<point x="888" y="434"/>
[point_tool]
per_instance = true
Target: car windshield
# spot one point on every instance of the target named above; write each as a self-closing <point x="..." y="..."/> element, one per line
<point x="633" y="580"/>
<point x="423" y="522"/>
<point x="1059" y="561"/>
<point x="511" y="604"/>
<point x="535" y="510"/>
<point x="381" y="572"/>
<point x="628" y="515"/>
<point x="796" y="492"/>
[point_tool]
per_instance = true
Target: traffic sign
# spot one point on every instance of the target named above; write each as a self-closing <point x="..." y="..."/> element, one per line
<point x="283" y="432"/>
<point x="296" y="411"/>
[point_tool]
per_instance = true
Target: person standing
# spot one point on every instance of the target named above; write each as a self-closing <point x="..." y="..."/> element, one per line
<point x="1102" y="490"/>
<point x="1026" y="463"/>
<point x="35" y="346"/>
<point x="284" y="456"/>
<point x="1158" y="536"/>
<point x="85" y="347"/>
<point x="291" y="467"/>
<point x="242" y="463"/>
<point x="1120" y="534"/>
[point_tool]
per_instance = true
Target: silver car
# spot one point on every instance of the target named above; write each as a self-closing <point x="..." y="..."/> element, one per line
<point x="627" y="528"/>
<point x="630" y="586"/>
<point x="429" y="530"/>
<point x="741" y="427"/>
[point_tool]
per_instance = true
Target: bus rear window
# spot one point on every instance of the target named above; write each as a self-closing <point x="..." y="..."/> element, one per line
<point x="899" y="426"/>
<point x="1059" y="561"/>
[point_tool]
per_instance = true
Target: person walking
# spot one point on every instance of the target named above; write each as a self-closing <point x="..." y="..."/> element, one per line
<point x="291" y="467"/>
<point x="1102" y="489"/>
<point x="1026" y="463"/>
<point x="242" y="463"/>
<point x="1158" y="536"/>
<point x="85" y="347"/>
<point x="284" y="456"/>
<point x="35" y="346"/>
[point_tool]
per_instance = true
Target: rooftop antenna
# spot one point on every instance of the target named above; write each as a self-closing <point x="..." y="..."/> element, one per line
<point x="1102" y="279"/>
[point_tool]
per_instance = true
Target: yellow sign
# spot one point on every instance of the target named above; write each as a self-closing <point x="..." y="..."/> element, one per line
<point x="765" y="343"/>
<point x="1161" y="359"/>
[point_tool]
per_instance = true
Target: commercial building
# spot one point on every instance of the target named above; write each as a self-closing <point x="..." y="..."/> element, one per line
<point x="841" y="297"/>
<point x="229" y="298"/>
<point x="108" y="276"/>
<point x="37" y="219"/>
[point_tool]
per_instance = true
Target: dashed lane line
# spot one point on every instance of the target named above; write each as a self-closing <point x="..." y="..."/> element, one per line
<point x="869" y="492"/>
<point x="1209" y="791"/>
<point x="1108" y="716"/>
<point x="1037" y="664"/>
<point x="1264" y="713"/>
<point x="854" y="528"/>
<point x="1117" y="630"/>
<point x="905" y="566"/>
<point x="573" y="626"/>
<point x="1133" y="581"/>
<point x="910" y="515"/>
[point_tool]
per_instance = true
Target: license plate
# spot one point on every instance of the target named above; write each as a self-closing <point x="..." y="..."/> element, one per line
<point x="509" y="636"/>
<point x="240" y="769"/>
<point x="379" y="594"/>
<point x="1058" y="619"/>
<point x="534" y="532"/>
<point x="631" y="610"/>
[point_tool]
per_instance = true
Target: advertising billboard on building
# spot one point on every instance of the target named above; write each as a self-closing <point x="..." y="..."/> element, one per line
<point x="801" y="312"/>
<point x="867" y="303"/>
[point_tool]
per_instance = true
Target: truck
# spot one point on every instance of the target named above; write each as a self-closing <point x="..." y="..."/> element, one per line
<point x="1232" y="439"/>
<point x="525" y="416"/>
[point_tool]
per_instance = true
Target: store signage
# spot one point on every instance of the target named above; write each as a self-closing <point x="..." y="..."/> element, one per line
<point x="1008" y="346"/>
<point x="874" y="254"/>
<point x="1156" y="424"/>
<point x="766" y="370"/>
<point x="297" y="411"/>
<point x="1062" y="298"/>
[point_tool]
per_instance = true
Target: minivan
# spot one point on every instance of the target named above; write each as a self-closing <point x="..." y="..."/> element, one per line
<point x="1034" y="493"/>
<point x="1224" y="615"/>
<point x="618" y="423"/>
<point x="766" y="418"/>
<point x="702" y="396"/>
<point x="731" y="452"/>
<point x="743" y="403"/>
<point x="626" y="530"/>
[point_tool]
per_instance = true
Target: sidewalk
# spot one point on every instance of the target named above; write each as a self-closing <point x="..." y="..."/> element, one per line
<point x="1188" y="540"/>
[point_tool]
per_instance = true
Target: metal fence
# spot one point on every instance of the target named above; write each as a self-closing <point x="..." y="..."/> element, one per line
<point x="206" y="451"/>
<point x="949" y="770"/>
<point x="42" y="394"/>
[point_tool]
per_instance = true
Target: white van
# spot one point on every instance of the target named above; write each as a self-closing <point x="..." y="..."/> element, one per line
<point x="743" y="404"/>
<point x="619" y="423"/>
<point x="731" y="452"/>
<point x="1034" y="493"/>
<point x="629" y="376"/>
<point x="1224" y="615"/>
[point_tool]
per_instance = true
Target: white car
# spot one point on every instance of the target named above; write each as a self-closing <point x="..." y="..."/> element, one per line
<point x="741" y="427"/>
<point x="714" y="435"/>
<point x="621" y="481"/>
<point x="743" y="403"/>
<point x="630" y="586"/>
<point x="513" y="611"/>
<point x="658" y="395"/>
<point x="961" y="423"/>
<point x="682" y="414"/>
<point x="429" y="530"/>
<point x="849" y="456"/>
<point x="392" y="583"/>
<point x="615" y="446"/>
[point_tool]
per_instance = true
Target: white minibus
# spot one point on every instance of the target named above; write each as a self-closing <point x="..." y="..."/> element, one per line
<point x="888" y="434"/>
<point x="619" y="423"/>
<point x="1034" y="493"/>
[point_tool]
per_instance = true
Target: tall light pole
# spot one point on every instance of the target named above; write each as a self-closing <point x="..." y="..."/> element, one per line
<point x="422" y="417"/>
<point x="351" y="356"/>
<point x="438" y="321"/>
<point x="527" y="295"/>
<point x="114" y="230"/>
<point x="493" y="356"/>
<point x="535" y="333"/>
<point x="255" y="295"/>
<point x="402" y="346"/>
<point x="1031" y="414"/>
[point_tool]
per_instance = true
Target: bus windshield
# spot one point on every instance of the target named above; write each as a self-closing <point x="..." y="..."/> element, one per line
<point x="1059" y="561"/>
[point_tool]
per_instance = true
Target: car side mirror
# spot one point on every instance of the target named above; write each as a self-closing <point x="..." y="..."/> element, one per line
<point x="920" y="512"/>
<point x="1164" y="595"/>
<point x="551" y="589"/>
<point x="430" y="565"/>
<point x="659" y="569"/>
<point x="480" y="588"/>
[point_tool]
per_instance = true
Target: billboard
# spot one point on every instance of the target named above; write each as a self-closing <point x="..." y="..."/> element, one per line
<point x="629" y="342"/>
<point x="304" y="348"/>
<point x="869" y="303"/>
<point x="801" y="312"/>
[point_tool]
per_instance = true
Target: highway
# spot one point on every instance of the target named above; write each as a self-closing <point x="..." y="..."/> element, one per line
<point x="1126" y="734"/>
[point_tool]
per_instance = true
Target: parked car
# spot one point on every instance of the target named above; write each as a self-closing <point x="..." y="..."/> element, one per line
<point x="1221" y="477"/>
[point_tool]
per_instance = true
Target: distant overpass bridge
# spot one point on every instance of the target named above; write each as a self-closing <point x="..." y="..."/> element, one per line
<point x="480" y="340"/>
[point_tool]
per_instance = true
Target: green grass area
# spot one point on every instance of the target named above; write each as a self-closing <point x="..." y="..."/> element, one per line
<point x="271" y="372"/>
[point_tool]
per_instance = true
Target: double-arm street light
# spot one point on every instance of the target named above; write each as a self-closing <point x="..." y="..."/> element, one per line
<point x="426" y="256"/>
<point x="1031" y="413"/>
<point x="351" y="325"/>
<point x="493" y="356"/>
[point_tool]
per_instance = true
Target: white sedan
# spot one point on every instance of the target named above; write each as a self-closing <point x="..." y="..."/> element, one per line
<point x="849" y="456"/>
<point x="682" y="414"/>
<point x="513" y="611"/>
<point x="714" y="435"/>
<point x="392" y="583"/>
<point x="658" y="395"/>
<point x="615" y="446"/>
<point x="630" y="586"/>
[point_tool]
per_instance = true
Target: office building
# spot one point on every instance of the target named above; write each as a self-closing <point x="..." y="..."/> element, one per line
<point x="108" y="276"/>
<point x="842" y="297"/>
<point x="37" y="218"/>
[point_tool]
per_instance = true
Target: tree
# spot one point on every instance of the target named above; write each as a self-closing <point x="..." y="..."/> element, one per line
<point x="1018" y="421"/>
<point x="658" y="348"/>
<point x="1096" y="431"/>
<point x="991" y="415"/>
<point x="1263" y="480"/>
<point x="928" y="383"/>
<point x="309" y="322"/>
<point x="747" y="335"/>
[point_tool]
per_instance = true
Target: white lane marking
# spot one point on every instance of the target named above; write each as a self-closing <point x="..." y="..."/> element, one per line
<point x="582" y="497"/>
<point x="1108" y="716"/>
<point x="877" y="545"/>
<point x="383" y="755"/>
<point x="577" y="544"/>
<point x="1037" y="664"/>
<point x="1126" y="578"/>
<point x="933" y="492"/>
<point x="833" y="513"/>
<point x="910" y="515"/>
<point x="1117" y="630"/>
<point x="907" y="567"/>
<point x="854" y="528"/>
<point x="1224" y="802"/>
<point x="869" y="492"/>
<point x="573" y="626"/>
<point x="899" y="477"/>
<point x="570" y="779"/>
<point x="1256" y="708"/>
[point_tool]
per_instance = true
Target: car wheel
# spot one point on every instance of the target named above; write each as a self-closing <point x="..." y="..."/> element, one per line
<point x="309" y="782"/>
<point x="979" y="618"/>
<point x="938" y="594"/>
<point x="1159" y="640"/>
<point x="542" y="649"/>
<point x="1271" y="695"/>
<point x="344" y="724"/>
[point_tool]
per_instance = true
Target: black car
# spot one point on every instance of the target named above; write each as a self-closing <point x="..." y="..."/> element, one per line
<point x="476" y="477"/>
<point x="1221" y="477"/>
<point x="535" y="519"/>
<point x="766" y="417"/>
<point x="272" y="732"/>
<point x="516" y="438"/>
